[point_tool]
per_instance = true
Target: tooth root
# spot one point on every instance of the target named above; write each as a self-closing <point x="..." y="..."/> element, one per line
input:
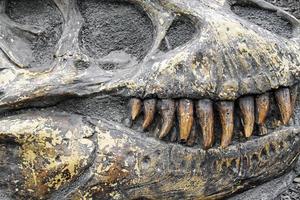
<point x="135" y="107"/>
<point x="294" y="94"/>
<point x="283" y="98"/>
<point x="205" y="113"/>
<point x="247" y="109"/>
<point x="226" y="109"/>
<point x="186" y="118"/>
<point x="149" y="111"/>
<point x="262" y="108"/>
<point x="193" y="136"/>
<point x="168" y="117"/>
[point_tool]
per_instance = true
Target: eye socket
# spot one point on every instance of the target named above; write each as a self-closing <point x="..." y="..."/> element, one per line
<point x="114" y="26"/>
<point x="181" y="31"/>
<point x="267" y="19"/>
<point x="44" y="15"/>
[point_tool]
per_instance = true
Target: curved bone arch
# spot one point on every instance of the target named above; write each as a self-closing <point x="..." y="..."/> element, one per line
<point x="200" y="120"/>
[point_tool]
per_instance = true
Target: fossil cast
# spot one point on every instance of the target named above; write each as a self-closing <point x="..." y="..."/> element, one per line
<point x="146" y="99"/>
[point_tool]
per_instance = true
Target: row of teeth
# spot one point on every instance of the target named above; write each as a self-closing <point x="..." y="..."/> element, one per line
<point x="253" y="110"/>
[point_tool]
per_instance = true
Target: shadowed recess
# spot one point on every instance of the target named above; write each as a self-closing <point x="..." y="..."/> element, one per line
<point x="292" y="6"/>
<point x="114" y="26"/>
<point x="42" y="14"/>
<point x="266" y="19"/>
<point x="10" y="159"/>
<point x="181" y="31"/>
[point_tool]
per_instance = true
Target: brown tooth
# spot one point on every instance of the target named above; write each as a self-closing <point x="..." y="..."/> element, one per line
<point x="247" y="109"/>
<point x="186" y="118"/>
<point x="262" y="108"/>
<point x="193" y="137"/>
<point x="283" y="98"/>
<point x="149" y="112"/>
<point x="205" y="113"/>
<point x="294" y="94"/>
<point x="226" y="110"/>
<point x="174" y="135"/>
<point x="135" y="107"/>
<point x="168" y="116"/>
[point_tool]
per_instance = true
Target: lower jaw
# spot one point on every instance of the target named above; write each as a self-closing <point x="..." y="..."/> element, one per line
<point x="160" y="171"/>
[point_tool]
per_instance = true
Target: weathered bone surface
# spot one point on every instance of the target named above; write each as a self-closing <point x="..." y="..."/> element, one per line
<point x="156" y="99"/>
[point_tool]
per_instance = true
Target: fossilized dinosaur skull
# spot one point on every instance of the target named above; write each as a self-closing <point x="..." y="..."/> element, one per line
<point x="212" y="97"/>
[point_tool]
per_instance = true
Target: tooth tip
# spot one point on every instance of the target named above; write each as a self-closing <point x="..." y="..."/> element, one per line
<point x="224" y="146"/>
<point x="183" y="140"/>
<point x="207" y="147"/>
<point x="145" y="127"/>
<point x="162" y="135"/>
<point x="283" y="97"/>
<point x="135" y="106"/>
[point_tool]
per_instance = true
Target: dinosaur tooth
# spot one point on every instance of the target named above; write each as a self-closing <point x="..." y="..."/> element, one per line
<point x="226" y="109"/>
<point x="205" y="114"/>
<point x="248" y="114"/>
<point x="283" y="98"/>
<point x="294" y="94"/>
<point x="174" y="135"/>
<point x="149" y="112"/>
<point x="135" y="107"/>
<point x="167" y="112"/>
<point x="262" y="109"/>
<point x="193" y="136"/>
<point x="186" y="118"/>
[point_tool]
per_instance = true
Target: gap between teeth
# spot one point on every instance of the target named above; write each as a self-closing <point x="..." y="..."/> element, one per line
<point x="253" y="109"/>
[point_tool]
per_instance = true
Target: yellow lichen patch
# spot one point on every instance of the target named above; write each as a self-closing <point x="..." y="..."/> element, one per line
<point x="191" y="183"/>
<point x="53" y="152"/>
<point x="266" y="52"/>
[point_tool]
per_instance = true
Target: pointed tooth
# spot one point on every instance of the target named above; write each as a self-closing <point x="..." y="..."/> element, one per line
<point x="168" y="116"/>
<point x="294" y="95"/>
<point x="283" y="98"/>
<point x="186" y="118"/>
<point x="247" y="109"/>
<point x="135" y="107"/>
<point x="262" y="108"/>
<point x="193" y="137"/>
<point x="205" y="113"/>
<point x="149" y="112"/>
<point x="226" y="110"/>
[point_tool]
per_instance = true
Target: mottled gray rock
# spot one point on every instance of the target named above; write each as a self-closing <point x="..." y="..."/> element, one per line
<point x="268" y="191"/>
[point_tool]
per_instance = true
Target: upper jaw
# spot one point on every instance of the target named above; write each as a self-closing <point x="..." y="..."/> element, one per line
<point x="205" y="69"/>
